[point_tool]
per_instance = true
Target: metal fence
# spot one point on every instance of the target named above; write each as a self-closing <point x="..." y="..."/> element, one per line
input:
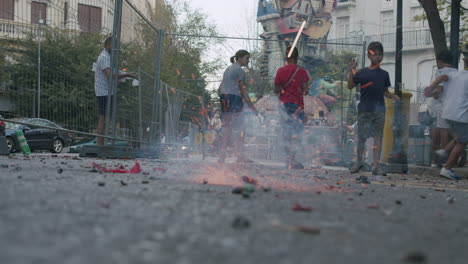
<point x="47" y="71"/>
<point x="48" y="57"/>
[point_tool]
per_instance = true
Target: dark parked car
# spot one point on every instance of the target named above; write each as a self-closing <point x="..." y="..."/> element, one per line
<point x="2" y="128"/>
<point x="38" y="138"/>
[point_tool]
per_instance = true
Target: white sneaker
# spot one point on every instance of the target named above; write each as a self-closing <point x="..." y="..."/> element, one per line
<point x="449" y="174"/>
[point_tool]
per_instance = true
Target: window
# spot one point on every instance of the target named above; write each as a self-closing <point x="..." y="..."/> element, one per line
<point x="387" y="23"/>
<point x="7" y="9"/>
<point x="89" y="18"/>
<point x="38" y="13"/>
<point x="387" y="4"/>
<point x="342" y="24"/>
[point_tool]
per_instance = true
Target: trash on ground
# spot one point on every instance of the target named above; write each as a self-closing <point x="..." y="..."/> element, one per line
<point x="250" y="180"/>
<point x="373" y="206"/>
<point x="305" y="229"/>
<point x="298" y="208"/>
<point x="363" y="179"/>
<point x="120" y="169"/>
<point x="240" y="223"/>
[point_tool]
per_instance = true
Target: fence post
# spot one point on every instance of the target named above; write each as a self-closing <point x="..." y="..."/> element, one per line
<point x="203" y="122"/>
<point x="140" y="118"/>
<point x="157" y="95"/>
<point x="112" y="94"/>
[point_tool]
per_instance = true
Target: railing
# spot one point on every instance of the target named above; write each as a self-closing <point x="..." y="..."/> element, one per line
<point x="17" y="30"/>
<point x="411" y="39"/>
<point x="13" y="30"/>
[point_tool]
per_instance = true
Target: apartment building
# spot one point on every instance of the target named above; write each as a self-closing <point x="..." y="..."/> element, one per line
<point x="20" y="17"/>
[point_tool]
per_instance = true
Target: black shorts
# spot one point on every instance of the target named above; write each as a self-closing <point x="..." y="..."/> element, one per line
<point x="231" y="103"/>
<point x="371" y="124"/>
<point x="102" y="104"/>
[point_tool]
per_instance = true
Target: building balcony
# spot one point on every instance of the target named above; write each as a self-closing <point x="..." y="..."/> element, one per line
<point x="15" y="30"/>
<point x="412" y="40"/>
<point x="345" y="3"/>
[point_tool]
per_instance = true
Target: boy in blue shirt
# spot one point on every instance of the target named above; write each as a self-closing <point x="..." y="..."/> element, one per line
<point x="374" y="83"/>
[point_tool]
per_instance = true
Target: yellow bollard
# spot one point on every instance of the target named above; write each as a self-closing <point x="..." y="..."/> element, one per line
<point x="387" y="143"/>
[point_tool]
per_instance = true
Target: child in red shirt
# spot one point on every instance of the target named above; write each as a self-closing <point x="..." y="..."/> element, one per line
<point x="291" y="83"/>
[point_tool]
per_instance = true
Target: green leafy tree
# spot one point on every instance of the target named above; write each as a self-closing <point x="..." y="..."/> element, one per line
<point x="438" y="14"/>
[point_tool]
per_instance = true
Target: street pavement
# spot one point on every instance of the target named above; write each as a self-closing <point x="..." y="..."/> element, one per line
<point x="60" y="209"/>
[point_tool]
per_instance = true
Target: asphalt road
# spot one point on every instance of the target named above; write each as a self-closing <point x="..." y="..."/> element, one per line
<point x="58" y="209"/>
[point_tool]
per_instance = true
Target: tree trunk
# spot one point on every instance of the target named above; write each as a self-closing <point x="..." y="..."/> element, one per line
<point x="436" y="25"/>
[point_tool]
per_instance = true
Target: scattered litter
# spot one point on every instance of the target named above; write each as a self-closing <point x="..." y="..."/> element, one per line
<point x="298" y="208"/>
<point x="350" y="199"/>
<point x="373" y="206"/>
<point x="159" y="169"/>
<point x="105" y="205"/>
<point x="240" y="223"/>
<point x="305" y="229"/>
<point x="398" y="202"/>
<point x="145" y="182"/>
<point x="266" y="189"/>
<point x="393" y="185"/>
<point x="450" y="199"/>
<point x="4" y="166"/>
<point x="120" y="169"/>
<point x="205" y="182"/>
<point x="439" y="190"/>
<point x="340" y="182"/>
<point x="250" y="180"/>
<point x="246" y="195"/>
<point x="59" y="170"/>
<point x="363" y="179"/>
<point x="123" y="183"/>
<point x="237" y="190"/>
<point x="360" y="194"/>
<point x="101" y="184"/>
<point x="416" y="257"/>
<point x="246" y="189"/>
<point x="422" y="196"/>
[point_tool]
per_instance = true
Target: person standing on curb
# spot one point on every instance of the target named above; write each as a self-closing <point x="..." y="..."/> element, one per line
<point x="291" y="84"/>
<point x="374" y="83"/>
<point x="102" y="72"/>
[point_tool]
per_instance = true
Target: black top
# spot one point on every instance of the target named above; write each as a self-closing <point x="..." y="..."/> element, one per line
<point x="374" y="82"/>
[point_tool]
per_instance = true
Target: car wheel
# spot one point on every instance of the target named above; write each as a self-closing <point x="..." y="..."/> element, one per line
<point x="57" y="146"/>
<point x="11" y="144"/>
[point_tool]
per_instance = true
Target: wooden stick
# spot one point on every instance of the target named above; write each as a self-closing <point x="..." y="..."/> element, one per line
<point x="299" y="33"/>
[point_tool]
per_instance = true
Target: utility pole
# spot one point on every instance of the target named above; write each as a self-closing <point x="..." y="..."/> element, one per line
<point x="455" y="32"/>
<point x="111" y="118"/>
<point x="398" y="159"/>
<point x="39" y="28"/>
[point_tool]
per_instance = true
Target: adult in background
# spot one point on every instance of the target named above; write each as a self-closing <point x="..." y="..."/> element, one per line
<point x="291" y="84"/>
<point x="102" y="74"/>
<point x="233" y="94"/>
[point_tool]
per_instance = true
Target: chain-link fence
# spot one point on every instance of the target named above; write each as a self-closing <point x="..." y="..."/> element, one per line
<point x="49" y="60"/>
<point x="329" y="106"/>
